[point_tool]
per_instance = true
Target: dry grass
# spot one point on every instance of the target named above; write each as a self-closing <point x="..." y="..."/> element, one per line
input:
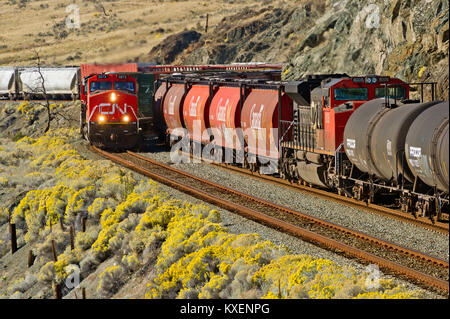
<point x="124" y="31"/>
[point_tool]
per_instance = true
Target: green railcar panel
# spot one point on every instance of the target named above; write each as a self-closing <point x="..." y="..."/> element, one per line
<point x="146" y="89"/>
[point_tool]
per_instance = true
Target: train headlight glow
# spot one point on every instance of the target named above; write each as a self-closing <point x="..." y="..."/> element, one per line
<point x="126" y="118"/>
<point x="101" y="118"/>
<point x="113" y="97"/>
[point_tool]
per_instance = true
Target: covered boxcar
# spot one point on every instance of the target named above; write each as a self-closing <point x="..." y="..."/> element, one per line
<point x="56" y="82"/>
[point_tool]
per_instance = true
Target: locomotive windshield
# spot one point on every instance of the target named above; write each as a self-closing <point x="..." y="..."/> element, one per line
<point x="126" y="86"/>
<point x="397" y="92"/>
<point x="344" y="94"/>
<point x="100" y="86"/>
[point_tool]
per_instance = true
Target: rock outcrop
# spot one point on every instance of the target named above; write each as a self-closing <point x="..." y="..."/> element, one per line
<point x="407" y="39"/>
<point x="166" y="52"/>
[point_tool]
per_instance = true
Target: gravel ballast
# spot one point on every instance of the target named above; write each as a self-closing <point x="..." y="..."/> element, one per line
<point x="239" y="225"/>
<point x="401" y="233"/>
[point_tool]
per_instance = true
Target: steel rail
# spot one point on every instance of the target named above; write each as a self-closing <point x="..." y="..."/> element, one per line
<point x="316" y="239"/>
<point x="311" y="219"/>
<point x="424" y="222"/>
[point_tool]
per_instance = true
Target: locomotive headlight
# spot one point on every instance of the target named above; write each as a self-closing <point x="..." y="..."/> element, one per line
<point x="113" y="97"/>
<point x="101" y="118"/>
<point x="126" y="118"/>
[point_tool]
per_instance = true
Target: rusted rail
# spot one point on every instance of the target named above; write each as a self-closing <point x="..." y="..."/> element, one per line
<point x="327" y="239"/>
<point x="441" y="227"/>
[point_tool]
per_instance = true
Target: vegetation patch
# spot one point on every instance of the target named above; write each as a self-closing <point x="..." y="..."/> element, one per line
<point x="132" y="224"/>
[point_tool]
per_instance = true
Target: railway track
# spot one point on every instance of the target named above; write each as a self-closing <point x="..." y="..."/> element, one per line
<point x="422" y="269"/>
<point x="438" y="226"/>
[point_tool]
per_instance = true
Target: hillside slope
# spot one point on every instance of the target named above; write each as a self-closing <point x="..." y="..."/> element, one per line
<point x="144" y="240"/>
<point x="408" y="39"/>
<point x="108" y="31"/>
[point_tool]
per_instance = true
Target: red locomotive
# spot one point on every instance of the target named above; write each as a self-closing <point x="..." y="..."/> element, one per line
<point x="312" y="142"/>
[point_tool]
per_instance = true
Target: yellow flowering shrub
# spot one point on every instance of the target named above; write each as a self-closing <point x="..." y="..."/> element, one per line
<point x="101" y="245"/>
<point x="65" y="259"/>
<point x="303" y="276"/>
<point x="97" y="207"/>
<point x="200" y="259"/>
<point x="40" y="208"/>
<point x="26" y="140"/>
<point x="194" y="255"/>
<point x="130" y="262"/>
<point x="80" y="186"/>
<point x="25" y="107"/>
<point x="114" y="223"/>
<point x="58" y="271"/>
<point x="199" y="253"/>
<point x="396" y="293"/>
<point x="47" y="273"/>
<point x="84" y="240"/>
<point x="110" y="280"/>
<point x="159" y="214"/>
<point x="3" y="181"/>
<point x="79" y="202"/>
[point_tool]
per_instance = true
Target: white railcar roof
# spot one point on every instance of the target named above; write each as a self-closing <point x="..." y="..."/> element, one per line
<point x="56" y="80"/>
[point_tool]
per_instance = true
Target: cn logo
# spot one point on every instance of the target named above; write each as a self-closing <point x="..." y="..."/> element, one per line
<point x="256" y="115"/>
<point x="222" y="110"/>
<point x="172" y="104"/>
<point x="193" y="106"/>
<point x="108" y="108"/>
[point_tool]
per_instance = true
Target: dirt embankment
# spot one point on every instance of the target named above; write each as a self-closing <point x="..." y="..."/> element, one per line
<point x="29" y="118"/>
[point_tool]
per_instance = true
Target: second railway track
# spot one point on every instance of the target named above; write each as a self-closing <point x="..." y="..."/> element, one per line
<point x="438" y="226"/>
<point x="417" y="267"/>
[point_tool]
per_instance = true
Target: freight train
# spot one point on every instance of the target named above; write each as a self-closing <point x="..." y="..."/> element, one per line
<point x="64" y="82"/>
<point x="117" y="99"/>
<point x="359" y="136"/>
<point x="32" y="82"/>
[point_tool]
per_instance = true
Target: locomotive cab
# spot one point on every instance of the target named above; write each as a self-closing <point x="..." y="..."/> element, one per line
<point x="111" y="110"/>
<point x="336" y="99"/>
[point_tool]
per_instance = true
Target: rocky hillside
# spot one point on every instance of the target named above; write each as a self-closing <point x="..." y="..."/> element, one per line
<point x="407" y="39"/>
<point x="404" y="38"/>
